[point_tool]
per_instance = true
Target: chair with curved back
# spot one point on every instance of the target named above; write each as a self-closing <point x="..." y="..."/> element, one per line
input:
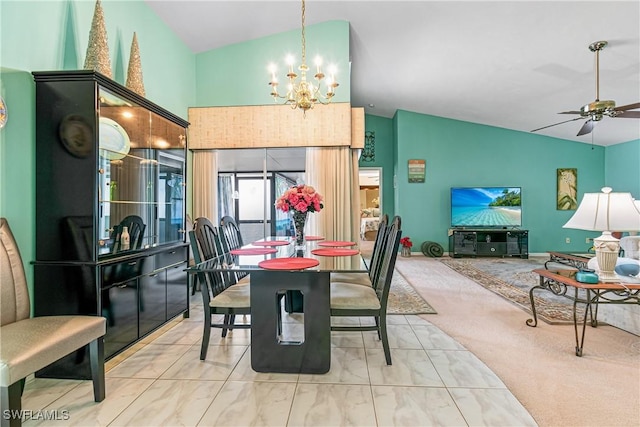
<point x="135" y="227"/>
<point x="193" y="279"/>
<point x="219" y="291"/>
<point x="374" y="264"/>
<point x="232" y="239"/>
<point x="123" y="271"/>
<point x="350" y="299"/>
<point x="231" y="232"/>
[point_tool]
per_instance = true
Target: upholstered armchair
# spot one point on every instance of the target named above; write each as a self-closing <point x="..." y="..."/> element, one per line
<point x="30" y="344"/>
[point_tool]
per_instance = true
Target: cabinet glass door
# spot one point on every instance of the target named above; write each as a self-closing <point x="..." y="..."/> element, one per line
<point x="140" y="177"/>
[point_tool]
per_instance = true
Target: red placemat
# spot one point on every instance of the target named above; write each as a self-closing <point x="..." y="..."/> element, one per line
<point x="271" y="243"/>
<point x="253" y="251"/>
<point x="335" y="252"/>
<point x="288" y="263"/>
<point x="311" y="238"/>
<point x="336" y="243"/>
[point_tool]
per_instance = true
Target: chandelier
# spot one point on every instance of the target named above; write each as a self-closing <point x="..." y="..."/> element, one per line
<point x="301" y="93"/>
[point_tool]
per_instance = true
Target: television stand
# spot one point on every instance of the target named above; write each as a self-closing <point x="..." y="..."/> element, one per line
<point x="489" y="242"/>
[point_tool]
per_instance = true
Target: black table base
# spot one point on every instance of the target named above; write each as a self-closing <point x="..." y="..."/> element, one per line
<point x="269" y="352"/>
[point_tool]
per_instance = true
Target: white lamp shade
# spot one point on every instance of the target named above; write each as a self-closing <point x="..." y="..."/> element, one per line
<point x="606" y="211"/>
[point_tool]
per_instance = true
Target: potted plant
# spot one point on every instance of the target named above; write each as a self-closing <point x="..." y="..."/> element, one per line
<point x="406" y="243"/>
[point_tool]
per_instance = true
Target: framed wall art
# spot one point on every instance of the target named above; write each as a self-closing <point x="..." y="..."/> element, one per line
<point x="369" y="151"/>
<point x="567" y="189"/>
<point x="417" y="169"/>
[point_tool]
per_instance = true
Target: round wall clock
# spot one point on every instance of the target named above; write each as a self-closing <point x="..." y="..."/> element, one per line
<point x="3" y="113"/>
<point x="76" y="135"/>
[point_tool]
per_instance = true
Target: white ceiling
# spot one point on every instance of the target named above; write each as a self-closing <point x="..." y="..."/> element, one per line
<point x="510" y="64"/>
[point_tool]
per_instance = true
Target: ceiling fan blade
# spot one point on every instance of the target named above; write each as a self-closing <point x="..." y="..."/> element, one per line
<point x="586" y="128"/>
<point x="628" y="107"/>
<point x="556" y="124"/>
<point x="571" y="112"/>
<point x="629" y="114"/>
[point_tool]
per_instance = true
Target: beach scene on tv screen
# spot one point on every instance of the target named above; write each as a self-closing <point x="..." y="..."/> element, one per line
<point x="486" y="207"/>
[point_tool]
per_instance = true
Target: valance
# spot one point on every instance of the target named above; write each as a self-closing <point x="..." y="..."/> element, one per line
<point x="273" y="126"/>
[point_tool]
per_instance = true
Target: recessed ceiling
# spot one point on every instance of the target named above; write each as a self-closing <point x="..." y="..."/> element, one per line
<point x="510" y="64"/>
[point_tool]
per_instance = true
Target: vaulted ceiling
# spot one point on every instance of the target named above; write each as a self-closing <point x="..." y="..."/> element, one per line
<point x="510" y="64"/>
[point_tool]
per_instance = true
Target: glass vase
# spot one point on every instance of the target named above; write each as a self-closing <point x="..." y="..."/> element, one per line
<point x="299" y="221"/>
<point x="405" y="251"/>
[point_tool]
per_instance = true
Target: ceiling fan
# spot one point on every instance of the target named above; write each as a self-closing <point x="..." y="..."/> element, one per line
<point x="596" y="110"/>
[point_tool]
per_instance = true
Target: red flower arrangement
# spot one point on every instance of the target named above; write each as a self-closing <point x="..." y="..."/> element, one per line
<point x="406" y="242"/>
<point x="300" y="198"/>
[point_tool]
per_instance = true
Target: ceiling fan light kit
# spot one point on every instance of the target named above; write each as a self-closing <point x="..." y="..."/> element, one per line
<point x="596" y="110"/>
<point x="599" y="108"/>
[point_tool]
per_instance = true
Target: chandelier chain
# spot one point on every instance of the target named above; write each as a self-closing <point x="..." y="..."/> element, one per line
<point x="304" y="40"/>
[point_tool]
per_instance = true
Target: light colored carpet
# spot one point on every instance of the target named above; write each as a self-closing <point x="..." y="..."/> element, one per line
<point x="539" y="365"/>
<point x="512" y="278"/>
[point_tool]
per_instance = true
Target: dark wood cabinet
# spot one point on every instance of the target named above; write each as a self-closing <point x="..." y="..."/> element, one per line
<point x="489" y="242"/>
<point x="109" y="163"/>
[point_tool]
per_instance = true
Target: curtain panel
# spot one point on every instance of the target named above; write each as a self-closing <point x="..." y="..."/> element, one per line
<point x="205" y="185"/>
<point x="333" y="171"/>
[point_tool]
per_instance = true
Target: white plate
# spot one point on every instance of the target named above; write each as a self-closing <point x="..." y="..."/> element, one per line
<point x="114" y="141"/>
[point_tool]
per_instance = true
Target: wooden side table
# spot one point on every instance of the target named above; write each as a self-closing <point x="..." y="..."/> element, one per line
<point x="567" y="258"/>
<point x="560" y="282"/>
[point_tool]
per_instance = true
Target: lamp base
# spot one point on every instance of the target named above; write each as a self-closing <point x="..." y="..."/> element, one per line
<point x="607" y="249"/>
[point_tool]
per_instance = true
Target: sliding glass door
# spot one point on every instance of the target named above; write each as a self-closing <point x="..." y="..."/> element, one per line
<point x="252" y="205"/>
<point x="249" y="181"/>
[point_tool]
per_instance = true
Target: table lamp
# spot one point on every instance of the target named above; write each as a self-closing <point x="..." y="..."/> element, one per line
<point x="606" y="211"/>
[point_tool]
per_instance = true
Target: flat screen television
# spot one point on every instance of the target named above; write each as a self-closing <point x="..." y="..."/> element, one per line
<point x="486" y="207"/>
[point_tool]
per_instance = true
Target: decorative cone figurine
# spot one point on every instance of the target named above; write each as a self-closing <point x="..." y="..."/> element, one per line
<point x="134" y="73"/>
<point x="98" y="49"/>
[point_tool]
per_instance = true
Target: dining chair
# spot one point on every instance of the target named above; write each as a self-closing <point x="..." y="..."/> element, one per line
<point x="373" y="266"/>
<point x="193" y="278"/>
<point x="123" y="271"/>
<point x="219" y="292"/>
<point x="215" y="245"/>
<point x="354" y="300"/>
<point x="232" y="239"/>
<point x="135" y="226"/>
<point x="231" y="232"/>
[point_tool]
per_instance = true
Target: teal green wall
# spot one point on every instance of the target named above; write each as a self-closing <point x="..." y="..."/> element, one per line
<point x="622" y="167"/>
<point x="53" y="35"/>
<point x="462" y="154"/>
<point x="384" y="152"/>
<point x="17" y="159"/>
<point x="239" y="74"/>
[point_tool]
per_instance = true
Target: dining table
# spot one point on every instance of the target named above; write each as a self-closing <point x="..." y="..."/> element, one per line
<point x="278" y="271"/>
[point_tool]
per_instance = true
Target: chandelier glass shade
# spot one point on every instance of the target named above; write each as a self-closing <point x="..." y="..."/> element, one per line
<point x="301" y="93"/>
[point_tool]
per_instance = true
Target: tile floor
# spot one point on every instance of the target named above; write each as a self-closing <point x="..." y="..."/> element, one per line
<point x="162" y="382"/>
